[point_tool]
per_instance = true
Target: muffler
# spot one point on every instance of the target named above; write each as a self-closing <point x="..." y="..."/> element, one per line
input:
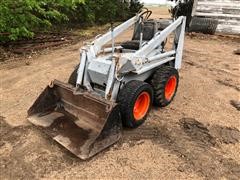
<point x="83" y="123"/>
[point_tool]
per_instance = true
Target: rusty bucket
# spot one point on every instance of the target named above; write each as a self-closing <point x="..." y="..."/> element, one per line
<point x="82" y="123"/>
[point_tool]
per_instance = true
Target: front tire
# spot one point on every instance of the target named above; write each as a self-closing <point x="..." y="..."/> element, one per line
<point x="135" y="100"/>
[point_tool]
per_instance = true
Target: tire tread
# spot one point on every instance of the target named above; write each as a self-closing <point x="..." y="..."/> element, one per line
<point x="158" y="82"/>
<point x="126" y="100"/>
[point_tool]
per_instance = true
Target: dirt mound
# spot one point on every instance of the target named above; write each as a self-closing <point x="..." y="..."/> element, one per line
<point x="202" y="152"/>
<point x="209" y="136"/>
<point x="197" y="131"/>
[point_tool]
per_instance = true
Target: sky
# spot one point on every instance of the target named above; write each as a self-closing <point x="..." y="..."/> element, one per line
<point x="154" y="1"/>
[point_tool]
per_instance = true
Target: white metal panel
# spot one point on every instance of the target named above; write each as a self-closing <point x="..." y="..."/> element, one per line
<point x="227" y="12"/>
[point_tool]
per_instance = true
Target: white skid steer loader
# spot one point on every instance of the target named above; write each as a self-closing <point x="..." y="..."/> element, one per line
<point x="112" y="87"/>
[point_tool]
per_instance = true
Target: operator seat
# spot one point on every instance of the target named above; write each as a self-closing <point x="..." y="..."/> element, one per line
<point x="149" y="29"/>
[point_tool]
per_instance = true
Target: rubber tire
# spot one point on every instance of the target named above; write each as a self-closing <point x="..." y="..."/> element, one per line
<point x="126" y="100"/>
<point x="159" y="81"/>
<point x="203" y="25"/>
<point x="73" y="77"/>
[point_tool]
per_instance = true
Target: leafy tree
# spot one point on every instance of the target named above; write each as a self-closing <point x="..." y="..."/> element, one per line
<point x="21" y="18"/>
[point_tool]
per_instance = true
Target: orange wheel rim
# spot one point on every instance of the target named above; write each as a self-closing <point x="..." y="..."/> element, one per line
<point x="141" y="106"/>
<point x="170" y="87"/>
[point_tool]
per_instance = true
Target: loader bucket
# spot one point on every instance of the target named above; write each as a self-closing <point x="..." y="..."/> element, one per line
<point x="81" y="122"/>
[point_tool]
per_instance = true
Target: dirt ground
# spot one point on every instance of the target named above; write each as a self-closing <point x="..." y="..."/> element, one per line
<point x="196" y="137"/>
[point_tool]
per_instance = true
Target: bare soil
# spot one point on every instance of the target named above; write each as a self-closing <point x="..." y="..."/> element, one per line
<point x="196" y="137"/>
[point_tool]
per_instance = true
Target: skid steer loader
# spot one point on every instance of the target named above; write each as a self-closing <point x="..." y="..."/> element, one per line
<point x="112" y="86"/>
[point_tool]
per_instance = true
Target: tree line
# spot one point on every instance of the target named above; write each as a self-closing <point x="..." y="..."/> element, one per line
<point x="23" y="18"/>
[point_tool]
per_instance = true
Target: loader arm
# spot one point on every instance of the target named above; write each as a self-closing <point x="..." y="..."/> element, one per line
<point x="158" y="39"/>
<point x="151" y="56"/>
<point x="104" y="39"/>
<point x="144" y="54"/>
<point x="89" y="52"/>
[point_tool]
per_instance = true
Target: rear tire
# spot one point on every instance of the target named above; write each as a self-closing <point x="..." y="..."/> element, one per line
<point x="73" y="77"/>
<point x="135" y="100"/>
<point x="165" y="83"/>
